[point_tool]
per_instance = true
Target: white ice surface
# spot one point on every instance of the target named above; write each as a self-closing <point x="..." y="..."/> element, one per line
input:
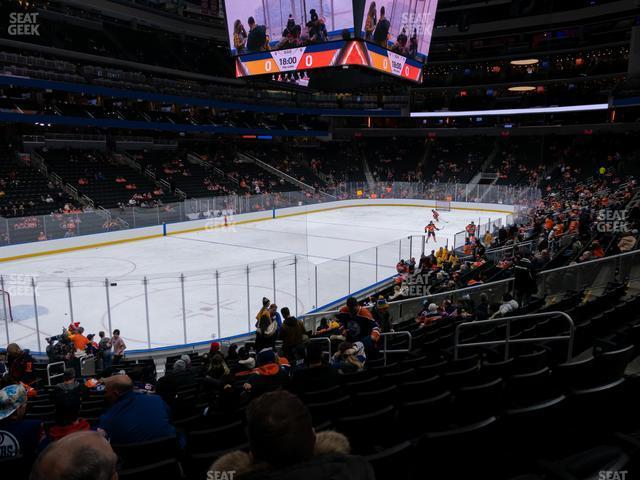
<point x="321" y="241"/>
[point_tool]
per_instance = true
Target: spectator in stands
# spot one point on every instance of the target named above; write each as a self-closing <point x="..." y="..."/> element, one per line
<point x="357" y="325"/>
<point x="275" y="315"/>
<point x="290" y="35"/>
<point x="133" y="417"/>
<point x="271" y="372"/>
<point x="181" y="376"/>
<point x="239" y="37"/>
<point x="69" y="383"/>
<point x="20" y="364"/>
<point x="508" y="306"/>
<point x="316" y="28"/>
<point x="381" y="315"/>
<point x="483" y="308"/>
<point x="429" y="315"/>
<point x="627" y="243"/>
<point x="216" y="370"/>
<point x="284" y="445"/>
<point x="266" y="327"/>
<point x="381" y="33"/>
<point x="292" y="334"/>
<point x="412" y="50"/>
<point x="4" y="369"/>
<point x="67" y="411"/>
<point x="257" y="38"/>
<point x="350" y="357"/>
<point x="105" y="354"/>
<point x="371" y="22"/>
<point x="118" y="346"/>
<point x="19" y="436"/>
<point x="318" y="375"/>
<point x="79" y="340"/>
<point x="80" y="455"/>
<point x="401" y="44"/>
<point x="524" y="282"/>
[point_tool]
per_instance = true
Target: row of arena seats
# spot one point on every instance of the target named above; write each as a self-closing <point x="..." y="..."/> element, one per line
<point x="482" y="413"/>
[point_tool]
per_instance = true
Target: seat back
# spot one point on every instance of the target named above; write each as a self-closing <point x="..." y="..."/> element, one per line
<point x="218" y="438"/>
<point x="165" y="469"/>
<point x="369" y="431"/>
<point x="375" y="399"/>
<point x="133" y="455"/>
<point x="611" y="365"/>
<point x="421" y="389"/>
<point x="323" y="411"/>
<point x="393" y="462"/>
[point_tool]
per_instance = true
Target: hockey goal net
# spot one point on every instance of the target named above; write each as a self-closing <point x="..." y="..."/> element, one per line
<point x="443" y="205"/>
<point x="5" y="306"/>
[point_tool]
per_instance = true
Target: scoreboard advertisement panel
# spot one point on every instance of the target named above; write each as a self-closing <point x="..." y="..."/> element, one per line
<point x="329" y="54"/>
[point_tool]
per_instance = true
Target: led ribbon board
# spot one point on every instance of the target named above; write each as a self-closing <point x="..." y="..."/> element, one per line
<point x="330" y="54"/>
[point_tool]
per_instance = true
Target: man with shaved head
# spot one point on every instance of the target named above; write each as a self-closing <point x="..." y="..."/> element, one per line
<point x="133" y="417"/>
<point x="79" y="456"/>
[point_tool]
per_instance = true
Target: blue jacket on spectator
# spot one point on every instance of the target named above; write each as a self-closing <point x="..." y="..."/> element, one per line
<point x="137" y="417"/>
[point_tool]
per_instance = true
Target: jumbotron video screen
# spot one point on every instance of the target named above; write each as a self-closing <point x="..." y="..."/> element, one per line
<point x="276" y="36"/>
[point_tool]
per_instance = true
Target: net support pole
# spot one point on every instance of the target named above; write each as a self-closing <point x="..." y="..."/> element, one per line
<point x="184" y="309"/>
<point x="218" y="302"/>
<point x="145" y="283"/>
<point x="376" y="264"/>
<point x="35" y="312"/>
<point x="248" y="303"/>
<point x="70" y="299"/>
<point x="349" y="275"/>
<point x="273" y="269"/>
<point x="295" y="281"/>
<point x="106" y="291"/>
<point x="315" y="268"/>
<point x="410" y="247"/>
<point x="5" y="309"/>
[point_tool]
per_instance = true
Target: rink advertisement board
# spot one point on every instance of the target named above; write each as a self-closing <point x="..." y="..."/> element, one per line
<point x="330" y="54"/>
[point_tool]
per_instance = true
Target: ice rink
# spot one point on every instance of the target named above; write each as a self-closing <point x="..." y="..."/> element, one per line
<point x="315" y="258"/>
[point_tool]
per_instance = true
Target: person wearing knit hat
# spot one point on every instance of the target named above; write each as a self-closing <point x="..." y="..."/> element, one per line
<point x="18" y="435"/>
<point x="381" y="315"/>
<point x="266" y="356"/>
<point x="214" y="347"/>
<point x="270" y="373"/>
